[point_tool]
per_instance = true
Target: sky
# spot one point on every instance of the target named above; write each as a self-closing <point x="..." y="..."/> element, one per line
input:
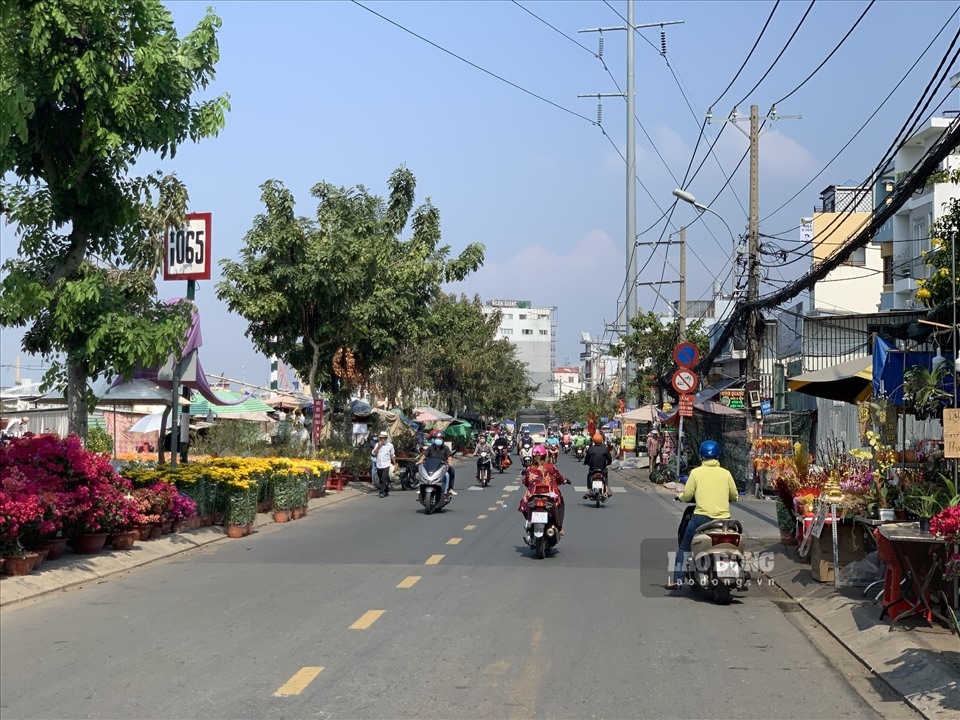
<point x="502" y="145"/>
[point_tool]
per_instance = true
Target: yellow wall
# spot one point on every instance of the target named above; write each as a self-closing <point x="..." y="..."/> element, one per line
<point x="833" y="229"/>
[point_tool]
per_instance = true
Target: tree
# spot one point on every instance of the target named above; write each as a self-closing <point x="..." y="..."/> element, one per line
<point x="577" y="407"/>
<point x="86" y="87"/>
<point x="336" y="295"/>
<point x="650" y="345"/>
<point x="938" y="290"/>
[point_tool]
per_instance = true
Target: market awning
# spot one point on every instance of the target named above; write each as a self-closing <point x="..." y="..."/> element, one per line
<point x="850" y="381"/>
<point x="251" y="408"/>
<point x="429" y="414"/>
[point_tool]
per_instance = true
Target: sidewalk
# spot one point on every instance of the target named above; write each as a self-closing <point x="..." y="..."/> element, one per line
<point x="71" y="570"/>
<point x="922" y="664"/>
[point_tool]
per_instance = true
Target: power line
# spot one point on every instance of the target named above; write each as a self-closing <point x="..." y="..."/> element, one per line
<point x="555" y="29"/>
<point x="473" y="65"/>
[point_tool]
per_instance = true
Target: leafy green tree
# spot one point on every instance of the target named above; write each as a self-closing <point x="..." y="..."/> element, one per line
<point x="335" y="295"/>
<point x="650" y="345"/>
<point x="86" y="87"/>
<point x="577" y="406"/>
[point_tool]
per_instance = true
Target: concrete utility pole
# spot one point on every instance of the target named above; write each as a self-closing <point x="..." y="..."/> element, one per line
<point x="753" y="229"/>
<point x="630" y="282"/>
<point x="683" y="284"/>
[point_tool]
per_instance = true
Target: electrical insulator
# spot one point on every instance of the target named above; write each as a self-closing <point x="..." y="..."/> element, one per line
<point x="599" y="113"/>
<point x="663" y="43"/>
<point x="600" y="51"/>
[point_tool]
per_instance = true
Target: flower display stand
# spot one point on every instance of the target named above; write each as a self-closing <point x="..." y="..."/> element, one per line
<point x="336" y="481"/>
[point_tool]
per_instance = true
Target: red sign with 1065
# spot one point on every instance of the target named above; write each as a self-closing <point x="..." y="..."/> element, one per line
<point x="186" y="250"/>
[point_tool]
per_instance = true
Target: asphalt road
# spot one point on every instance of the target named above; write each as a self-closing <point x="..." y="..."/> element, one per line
<point x="411" y="616"/>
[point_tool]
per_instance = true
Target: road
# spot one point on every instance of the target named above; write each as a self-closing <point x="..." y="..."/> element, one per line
<point x="411" y="616"/>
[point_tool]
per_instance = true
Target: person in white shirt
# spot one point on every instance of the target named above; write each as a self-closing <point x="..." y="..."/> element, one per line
<point x="386" y="460"/>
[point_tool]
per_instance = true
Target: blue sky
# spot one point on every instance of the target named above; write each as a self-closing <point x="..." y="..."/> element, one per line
<point x="329" y="91"/>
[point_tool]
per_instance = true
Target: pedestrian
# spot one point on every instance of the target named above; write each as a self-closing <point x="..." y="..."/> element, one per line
<point x="386" y="459"/>
<point x="653" y="448"/>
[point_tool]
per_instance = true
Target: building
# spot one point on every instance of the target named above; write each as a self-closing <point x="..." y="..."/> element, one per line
<point x="909" y="234"/>
<point x="855" y="286"/>
<point x="600" y="371"/>
<point x="533" y="331"/>
<point x="566" y="380"/>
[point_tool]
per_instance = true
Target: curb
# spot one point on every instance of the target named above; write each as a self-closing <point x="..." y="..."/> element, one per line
<point x="75" y="570"/>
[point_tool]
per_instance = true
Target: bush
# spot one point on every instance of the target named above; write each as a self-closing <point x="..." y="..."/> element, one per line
<point x="99" y="440"/>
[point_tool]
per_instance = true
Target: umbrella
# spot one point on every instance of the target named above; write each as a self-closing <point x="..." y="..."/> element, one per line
<point x="428" y="414"/>
<point x="850" y="381"/>
<point x="645" y="414"/>
<point x="147" y="424"/>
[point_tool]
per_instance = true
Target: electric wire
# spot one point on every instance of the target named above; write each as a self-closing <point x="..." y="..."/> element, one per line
<point x="474" y="65"/>
<point x="555" y="29"/>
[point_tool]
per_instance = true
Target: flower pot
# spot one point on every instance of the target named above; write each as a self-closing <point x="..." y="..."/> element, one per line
<point x="788" y="538"/>
<point x="887" y="514"/>
<point x="218" y="518"/>
<point x="303" y="511"/>
<point x="924" y="524"/>
<point x="281" y="516"/>
<point x="89" y="543"/>
<point x="206" y="520"/>
<point x="899" y="514"/>
<point x="909" y="456"/>
<point x="235" y="531"/>
<point x="56" y="546"/>
<point x="156" y="530"/>
<point x="124" y="540"/>
<point x="41" y="556"/>
<point x="296" y="513"/>
<point x="248" y="529"/>
<point x="264" y="506"/>
<point x="143" y="532"/>
<point x="15" y="565"/>
<point x="165" y="527"/>
<point x="178" y="526"/>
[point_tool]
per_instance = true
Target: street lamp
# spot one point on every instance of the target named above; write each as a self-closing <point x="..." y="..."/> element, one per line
<point x="689" y="198"/>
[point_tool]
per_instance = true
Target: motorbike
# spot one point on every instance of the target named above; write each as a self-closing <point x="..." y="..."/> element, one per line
<point x="541" y="532"/>
<point x="595" y="490"/>
<point x="501" y="460"/>
<point x="553" y="452"/>
<point x="716" y="563"/>
<point x="578" y="452"/>
<point x="484" y="468"/>
<point x="431" y="480"/>
<point x="526" y="456"/>
<point x="566" y="447"/>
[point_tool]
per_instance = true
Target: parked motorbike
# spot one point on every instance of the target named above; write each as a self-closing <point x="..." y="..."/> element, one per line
<point x="526" y="456"/>
<point x="484" y="468"/>
<point x="595" y="491"/>
<point x="540" y="527"/>
<point x="716" y="562"/>
<point x="431" y="480"/>
<point x="408" y="478"/>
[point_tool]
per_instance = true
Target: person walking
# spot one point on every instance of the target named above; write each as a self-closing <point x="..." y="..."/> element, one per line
<point x="386" y="459"/>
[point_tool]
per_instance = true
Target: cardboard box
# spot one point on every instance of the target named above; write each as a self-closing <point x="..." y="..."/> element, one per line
<point x="850" y="549"/>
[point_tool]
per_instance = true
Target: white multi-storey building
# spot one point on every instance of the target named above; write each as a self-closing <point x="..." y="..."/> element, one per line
<point x="566" y="380"/>
<point x="533" y="331"/>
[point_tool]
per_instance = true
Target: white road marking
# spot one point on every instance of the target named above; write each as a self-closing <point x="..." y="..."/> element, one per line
<point x="583" y="489"/>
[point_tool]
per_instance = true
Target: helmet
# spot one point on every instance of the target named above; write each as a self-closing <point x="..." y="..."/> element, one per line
<point x="539" y="450"/>
<point x="709" y="450"/>
<point x="434" y="433"/>
<point x="597" y="438"/>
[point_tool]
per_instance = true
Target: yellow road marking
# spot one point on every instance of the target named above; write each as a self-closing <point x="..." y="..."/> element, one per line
<point x="299" y="681"/>
<point x="491" y="509"/>
<point x="434" y="560"/>
<point x="409" y="582"/>
<point x="481" y="517"/>
<point x="367" y="619"/>
<point x="454" y="541"/>
<point x="470" y="527"/>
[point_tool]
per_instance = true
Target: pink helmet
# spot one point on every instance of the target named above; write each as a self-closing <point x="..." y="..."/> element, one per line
<point x="539" y="450"/>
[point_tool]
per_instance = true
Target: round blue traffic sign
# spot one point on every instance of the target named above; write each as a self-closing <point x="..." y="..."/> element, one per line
<point x="686" y="354"/>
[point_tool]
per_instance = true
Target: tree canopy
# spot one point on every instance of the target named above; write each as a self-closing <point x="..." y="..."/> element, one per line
<point x="86" y="87"/>
<point x="938" y="290"/>
<point x="577" y="406"/>
<point x="650" y="345"/>
<point x="337" y="294"/>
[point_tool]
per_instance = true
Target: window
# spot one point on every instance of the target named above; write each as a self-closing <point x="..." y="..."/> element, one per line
<point x="527" y="331"/>
<point x="506" y="331"/>
<point x="508" y="316"/>
<point x="522" y="316"/>
<point x="544" y="332"/>
<point x="857" y="257"/>
<point x="888" y="270"/>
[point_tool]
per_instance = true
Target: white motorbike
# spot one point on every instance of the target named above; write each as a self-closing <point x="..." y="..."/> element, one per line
<point x="716" y="563"/>
<point x="526" y="456"/>
<point x="432" y="475"/>
<point x="484" y="468"/>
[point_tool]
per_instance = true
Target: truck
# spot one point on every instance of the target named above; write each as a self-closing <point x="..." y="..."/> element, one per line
<point x="535" y="421"/>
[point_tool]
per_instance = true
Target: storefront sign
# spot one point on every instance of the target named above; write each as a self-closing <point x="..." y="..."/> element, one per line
<point x="951" y="433"/>
<point x="732" y="398"/>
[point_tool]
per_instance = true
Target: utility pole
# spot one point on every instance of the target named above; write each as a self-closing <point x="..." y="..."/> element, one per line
<point x="630" y="306"/>
<point x="683" y="284"/>
<point x="753" y="230"/>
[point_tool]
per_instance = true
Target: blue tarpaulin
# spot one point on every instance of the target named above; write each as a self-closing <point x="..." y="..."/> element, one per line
<point x="889" y="364"/>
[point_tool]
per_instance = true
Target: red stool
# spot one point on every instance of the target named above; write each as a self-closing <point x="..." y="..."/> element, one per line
<point x="893" y="602"/>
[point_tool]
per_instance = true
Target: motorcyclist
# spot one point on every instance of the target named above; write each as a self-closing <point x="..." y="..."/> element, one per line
<point x="566" y="440"/>
<point x="713" y="489"/>
<point x="482" y="446"/>
<point x="525" y="440"/>
<point x="437" y="449"/>
<point x="597" y="458"/>
<point x="543" y="472"/>
<point x="553" y="446"/>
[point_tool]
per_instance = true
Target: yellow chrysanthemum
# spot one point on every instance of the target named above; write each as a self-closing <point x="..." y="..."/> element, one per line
<point x="923" y="294"/>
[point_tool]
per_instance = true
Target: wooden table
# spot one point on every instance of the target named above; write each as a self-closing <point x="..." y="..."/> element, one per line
<point x="901" y="535"/>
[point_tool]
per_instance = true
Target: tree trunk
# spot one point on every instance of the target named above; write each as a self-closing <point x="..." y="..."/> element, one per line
<point x="314" y="393"/>
<point x="77" y="399"/>
<point x="161" y="458"/>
